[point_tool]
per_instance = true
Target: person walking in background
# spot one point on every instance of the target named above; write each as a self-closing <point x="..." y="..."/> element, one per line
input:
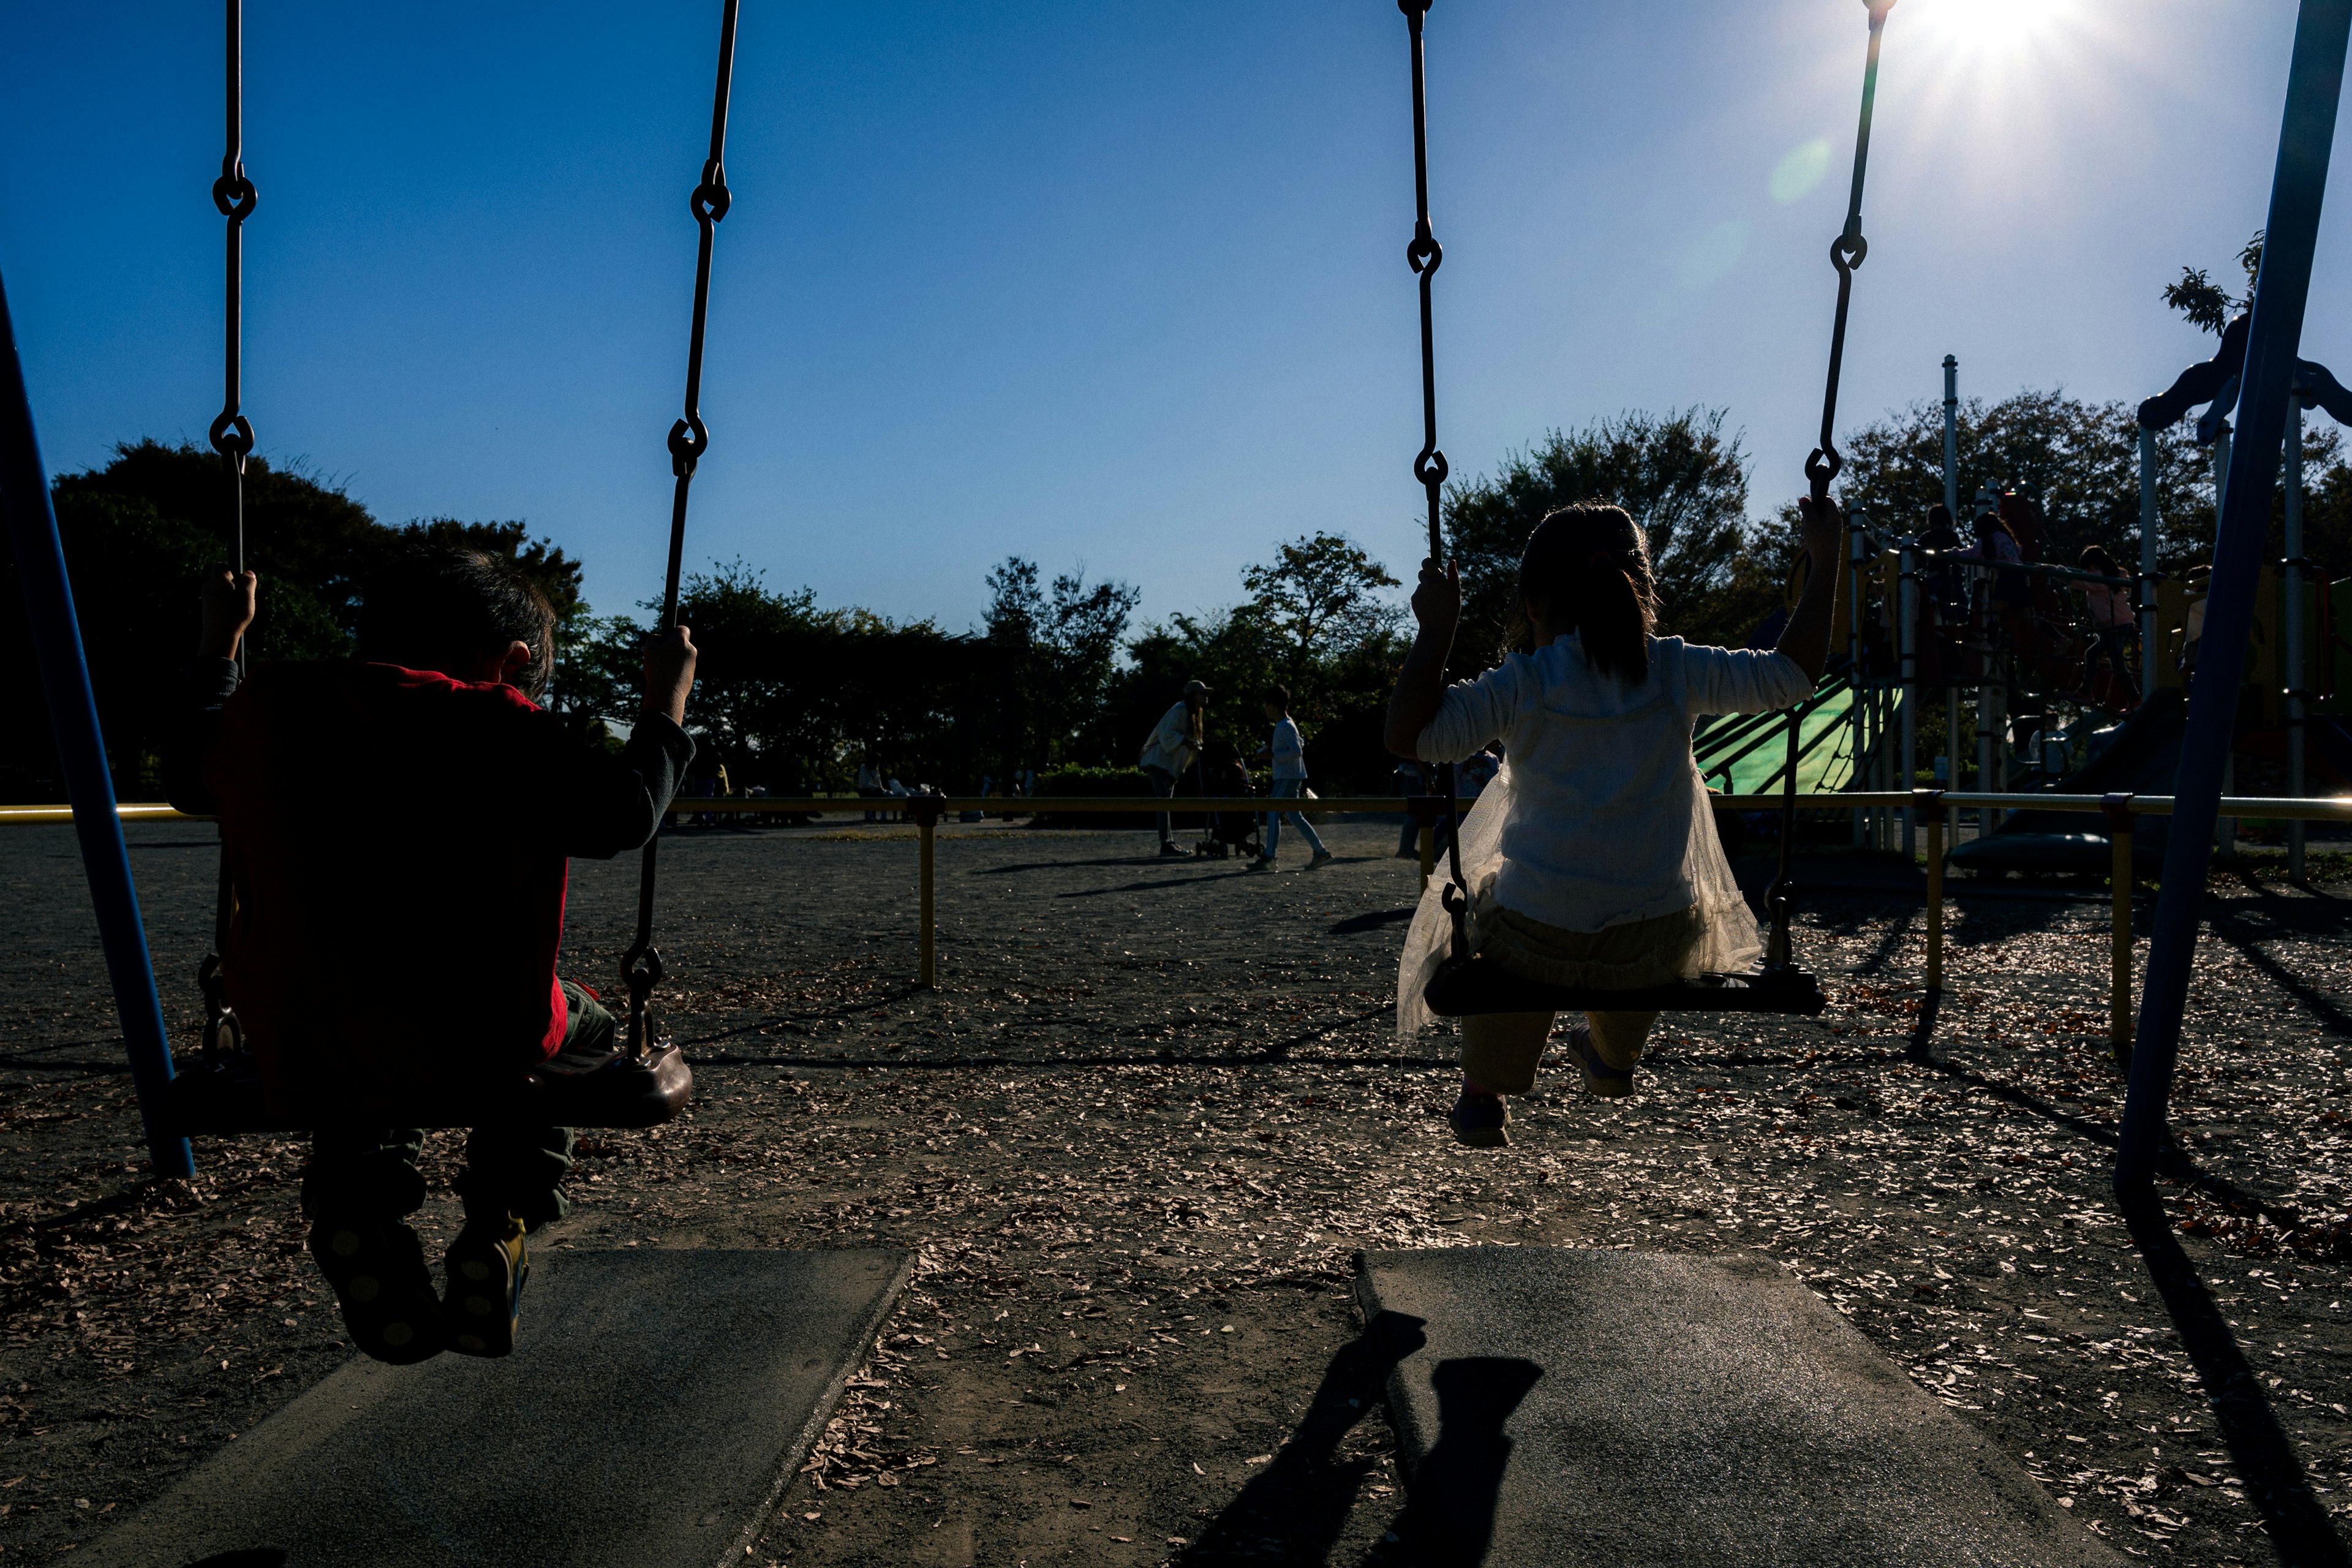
<point x="1174" y="744"/>
<point x="1288" y="754"/>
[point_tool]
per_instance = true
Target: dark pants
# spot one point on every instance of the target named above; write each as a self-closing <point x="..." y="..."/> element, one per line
<point x="508" y="1168"/>
<point x="1163" y="785"/>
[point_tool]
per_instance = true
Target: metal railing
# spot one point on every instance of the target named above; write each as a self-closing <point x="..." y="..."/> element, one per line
<point x="1929" y="806"/>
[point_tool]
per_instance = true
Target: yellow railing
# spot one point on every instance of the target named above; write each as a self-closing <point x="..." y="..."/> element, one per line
<point x="929" y="809"/>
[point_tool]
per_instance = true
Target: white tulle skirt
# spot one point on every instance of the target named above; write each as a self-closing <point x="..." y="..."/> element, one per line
<point x="1728" y="943"/>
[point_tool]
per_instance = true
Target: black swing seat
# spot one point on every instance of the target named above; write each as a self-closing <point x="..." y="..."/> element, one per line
<point x="1463" y="988"/>
<point x="222" y="1097"/>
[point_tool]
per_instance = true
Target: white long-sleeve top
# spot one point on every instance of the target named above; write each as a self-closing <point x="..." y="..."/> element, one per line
<point x="1600" y="819"/>
<point x="1288" y="751"/>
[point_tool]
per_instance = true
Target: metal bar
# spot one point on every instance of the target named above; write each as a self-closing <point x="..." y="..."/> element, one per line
<point x="81" y="750"/>
<point x="2121" y="874"/>
<point x="1856" y="547"/>
<point x="930" y="902"/>
<point x="1952" y="436"/>
<point x="2149" y="639"/>
<point x="2309" y="808"/>
<point x="2299" y="183"/>
<point x="2292" y="579"/>
<point x="1929" y="805"/>
<point x="1906" y="594"/>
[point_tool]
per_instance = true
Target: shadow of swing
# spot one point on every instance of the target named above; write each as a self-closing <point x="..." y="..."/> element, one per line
<point x="1295" y="1509"/>
<point x="2292" y="1517"/>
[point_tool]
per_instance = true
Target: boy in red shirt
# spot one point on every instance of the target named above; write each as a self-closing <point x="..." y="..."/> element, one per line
<point x="395" y="829"/>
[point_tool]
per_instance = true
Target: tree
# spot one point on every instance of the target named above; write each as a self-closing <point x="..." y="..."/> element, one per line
<point x="1319" y="597"/>
<point x="2204" y="302"/>
<point x="1680" y="476"/>
<point x="1051" y="657"/>
<point x="141" y="531"/>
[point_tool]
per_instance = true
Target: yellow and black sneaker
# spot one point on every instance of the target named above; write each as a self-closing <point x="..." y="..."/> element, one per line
<point x="488" y="1264"/>
<point x="377" y="1270"/>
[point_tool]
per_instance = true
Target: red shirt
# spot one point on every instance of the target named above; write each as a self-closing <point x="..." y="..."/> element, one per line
<point x="399" y="886"/>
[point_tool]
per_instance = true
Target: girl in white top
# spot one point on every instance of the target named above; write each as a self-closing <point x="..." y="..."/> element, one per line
<point x="1592" y="859"/>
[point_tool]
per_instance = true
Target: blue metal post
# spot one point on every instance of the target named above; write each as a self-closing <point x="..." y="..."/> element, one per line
<point x="2314" y="82"/>
<point x="73" y="710"/>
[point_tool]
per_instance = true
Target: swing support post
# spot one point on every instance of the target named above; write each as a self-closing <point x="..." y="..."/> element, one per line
<point x="1927" y="808"/>
<point x="81" y="749"/>
<point x="2121" y="874"/>
<point x="2282" y="289"/>
<point x="927" y="810"/>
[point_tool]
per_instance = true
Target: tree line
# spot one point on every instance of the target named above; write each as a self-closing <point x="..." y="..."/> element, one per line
<point x="1056" y="674"/>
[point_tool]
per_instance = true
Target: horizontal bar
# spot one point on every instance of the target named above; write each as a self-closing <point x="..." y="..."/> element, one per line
<point x="2275" y="808"/>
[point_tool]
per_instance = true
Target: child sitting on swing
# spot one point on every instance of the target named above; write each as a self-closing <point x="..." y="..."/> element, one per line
<point x="395" y="830"/>
<point x="1592" y="859"/>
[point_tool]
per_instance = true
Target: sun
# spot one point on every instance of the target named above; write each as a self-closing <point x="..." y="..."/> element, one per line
<point x="1975" y="29"/>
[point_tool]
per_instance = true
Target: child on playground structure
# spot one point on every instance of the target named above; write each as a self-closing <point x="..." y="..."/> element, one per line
<point x="395" y="938"/>
<point x="1592" y="858"/>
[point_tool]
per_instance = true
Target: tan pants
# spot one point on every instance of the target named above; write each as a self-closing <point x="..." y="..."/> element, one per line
<point x="1502" y="1050"/>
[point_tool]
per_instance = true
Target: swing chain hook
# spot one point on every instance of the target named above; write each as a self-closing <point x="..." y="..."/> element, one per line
<point x="641" y="971"/>
<point x="233" y="194"/>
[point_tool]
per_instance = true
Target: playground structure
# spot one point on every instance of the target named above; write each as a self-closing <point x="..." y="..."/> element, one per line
<point x="2048" y="710"/>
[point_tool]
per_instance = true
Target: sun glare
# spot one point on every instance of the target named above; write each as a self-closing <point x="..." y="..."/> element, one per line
<point x="1979" y="29"/>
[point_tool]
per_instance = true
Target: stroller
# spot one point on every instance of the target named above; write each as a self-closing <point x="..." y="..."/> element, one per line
<point x="1223" y="774"/>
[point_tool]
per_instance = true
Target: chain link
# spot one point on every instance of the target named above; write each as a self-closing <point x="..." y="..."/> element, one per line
<point x="689" y="439"/>
<point x="1847" y="251"/>
<point x="232" y="433"/>
<point x="1424" y="255"/>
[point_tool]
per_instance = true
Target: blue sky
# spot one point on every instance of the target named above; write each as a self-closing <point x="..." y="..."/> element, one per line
<point x="1104" y="284"/>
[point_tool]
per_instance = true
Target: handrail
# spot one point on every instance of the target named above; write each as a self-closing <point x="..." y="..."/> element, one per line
<point x="2290" y="808"/>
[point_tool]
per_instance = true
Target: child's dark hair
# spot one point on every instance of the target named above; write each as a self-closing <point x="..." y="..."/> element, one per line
<point x="1588" y="565"/>
<point x="1939" y="516"/>
<point x="444" y="610"/>
<point x="1279" y="696"/>
<point x="2095" y="559"/>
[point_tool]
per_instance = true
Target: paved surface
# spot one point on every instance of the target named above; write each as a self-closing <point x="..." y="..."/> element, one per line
<point x="654" y="1409"/>
<point x="1565" y="1406"/>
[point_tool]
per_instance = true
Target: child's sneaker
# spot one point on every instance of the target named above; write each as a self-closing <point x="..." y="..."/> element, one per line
<point x="1322" y="858"/>
<point x="487" y="1264"/>
<point x="1599" y="1078"/>
<point x="377" y="1270"/>
<point x="1481" y="1122"/>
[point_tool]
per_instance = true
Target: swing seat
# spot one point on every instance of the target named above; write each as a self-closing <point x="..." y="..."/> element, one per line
<point x="1463" y="988"/>
<point x="223" y="1098"/>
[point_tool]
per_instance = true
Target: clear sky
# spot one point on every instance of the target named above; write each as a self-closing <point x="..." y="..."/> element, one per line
<point x="1113" y="284"/>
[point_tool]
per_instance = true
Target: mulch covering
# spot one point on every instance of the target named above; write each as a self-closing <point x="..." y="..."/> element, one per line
<point x="1138" y="1133"/>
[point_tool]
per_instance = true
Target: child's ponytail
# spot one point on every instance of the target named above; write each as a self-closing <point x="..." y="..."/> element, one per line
<point x="1587" y="570"/>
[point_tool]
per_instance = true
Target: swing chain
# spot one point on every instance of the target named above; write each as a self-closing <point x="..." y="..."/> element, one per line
<point x="708" y="202"/>
<point x="233" y="194"/>
<point x="1424" y="255"/>
<point x="689" y="438"/>
<point x="1847" y="251"/>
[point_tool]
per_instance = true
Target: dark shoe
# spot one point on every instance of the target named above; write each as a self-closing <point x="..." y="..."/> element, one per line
<point x="1322" y="858"/>
<point x="486" y="1267"/>
<point x="1260" y="864"/>
<point x="1481" y="1122"/>
<point x="1599" y="1078"/>
<point x="380" y="1283"/>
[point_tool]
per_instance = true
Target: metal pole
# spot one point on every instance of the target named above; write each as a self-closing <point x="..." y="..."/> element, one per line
<point x="2299" y="184"/>
<point x="928" y="820"/>
<point x="1952" y="436"/>
<point x="81" y="750"/>
<point x="2292" y="576"/>
<point x="2148" y="521"/>
<point x="1858" y="709"/>
<point x="1906" y="584"/>
<point x="2121" y="873"/>
<point x="1931" y="811"/>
